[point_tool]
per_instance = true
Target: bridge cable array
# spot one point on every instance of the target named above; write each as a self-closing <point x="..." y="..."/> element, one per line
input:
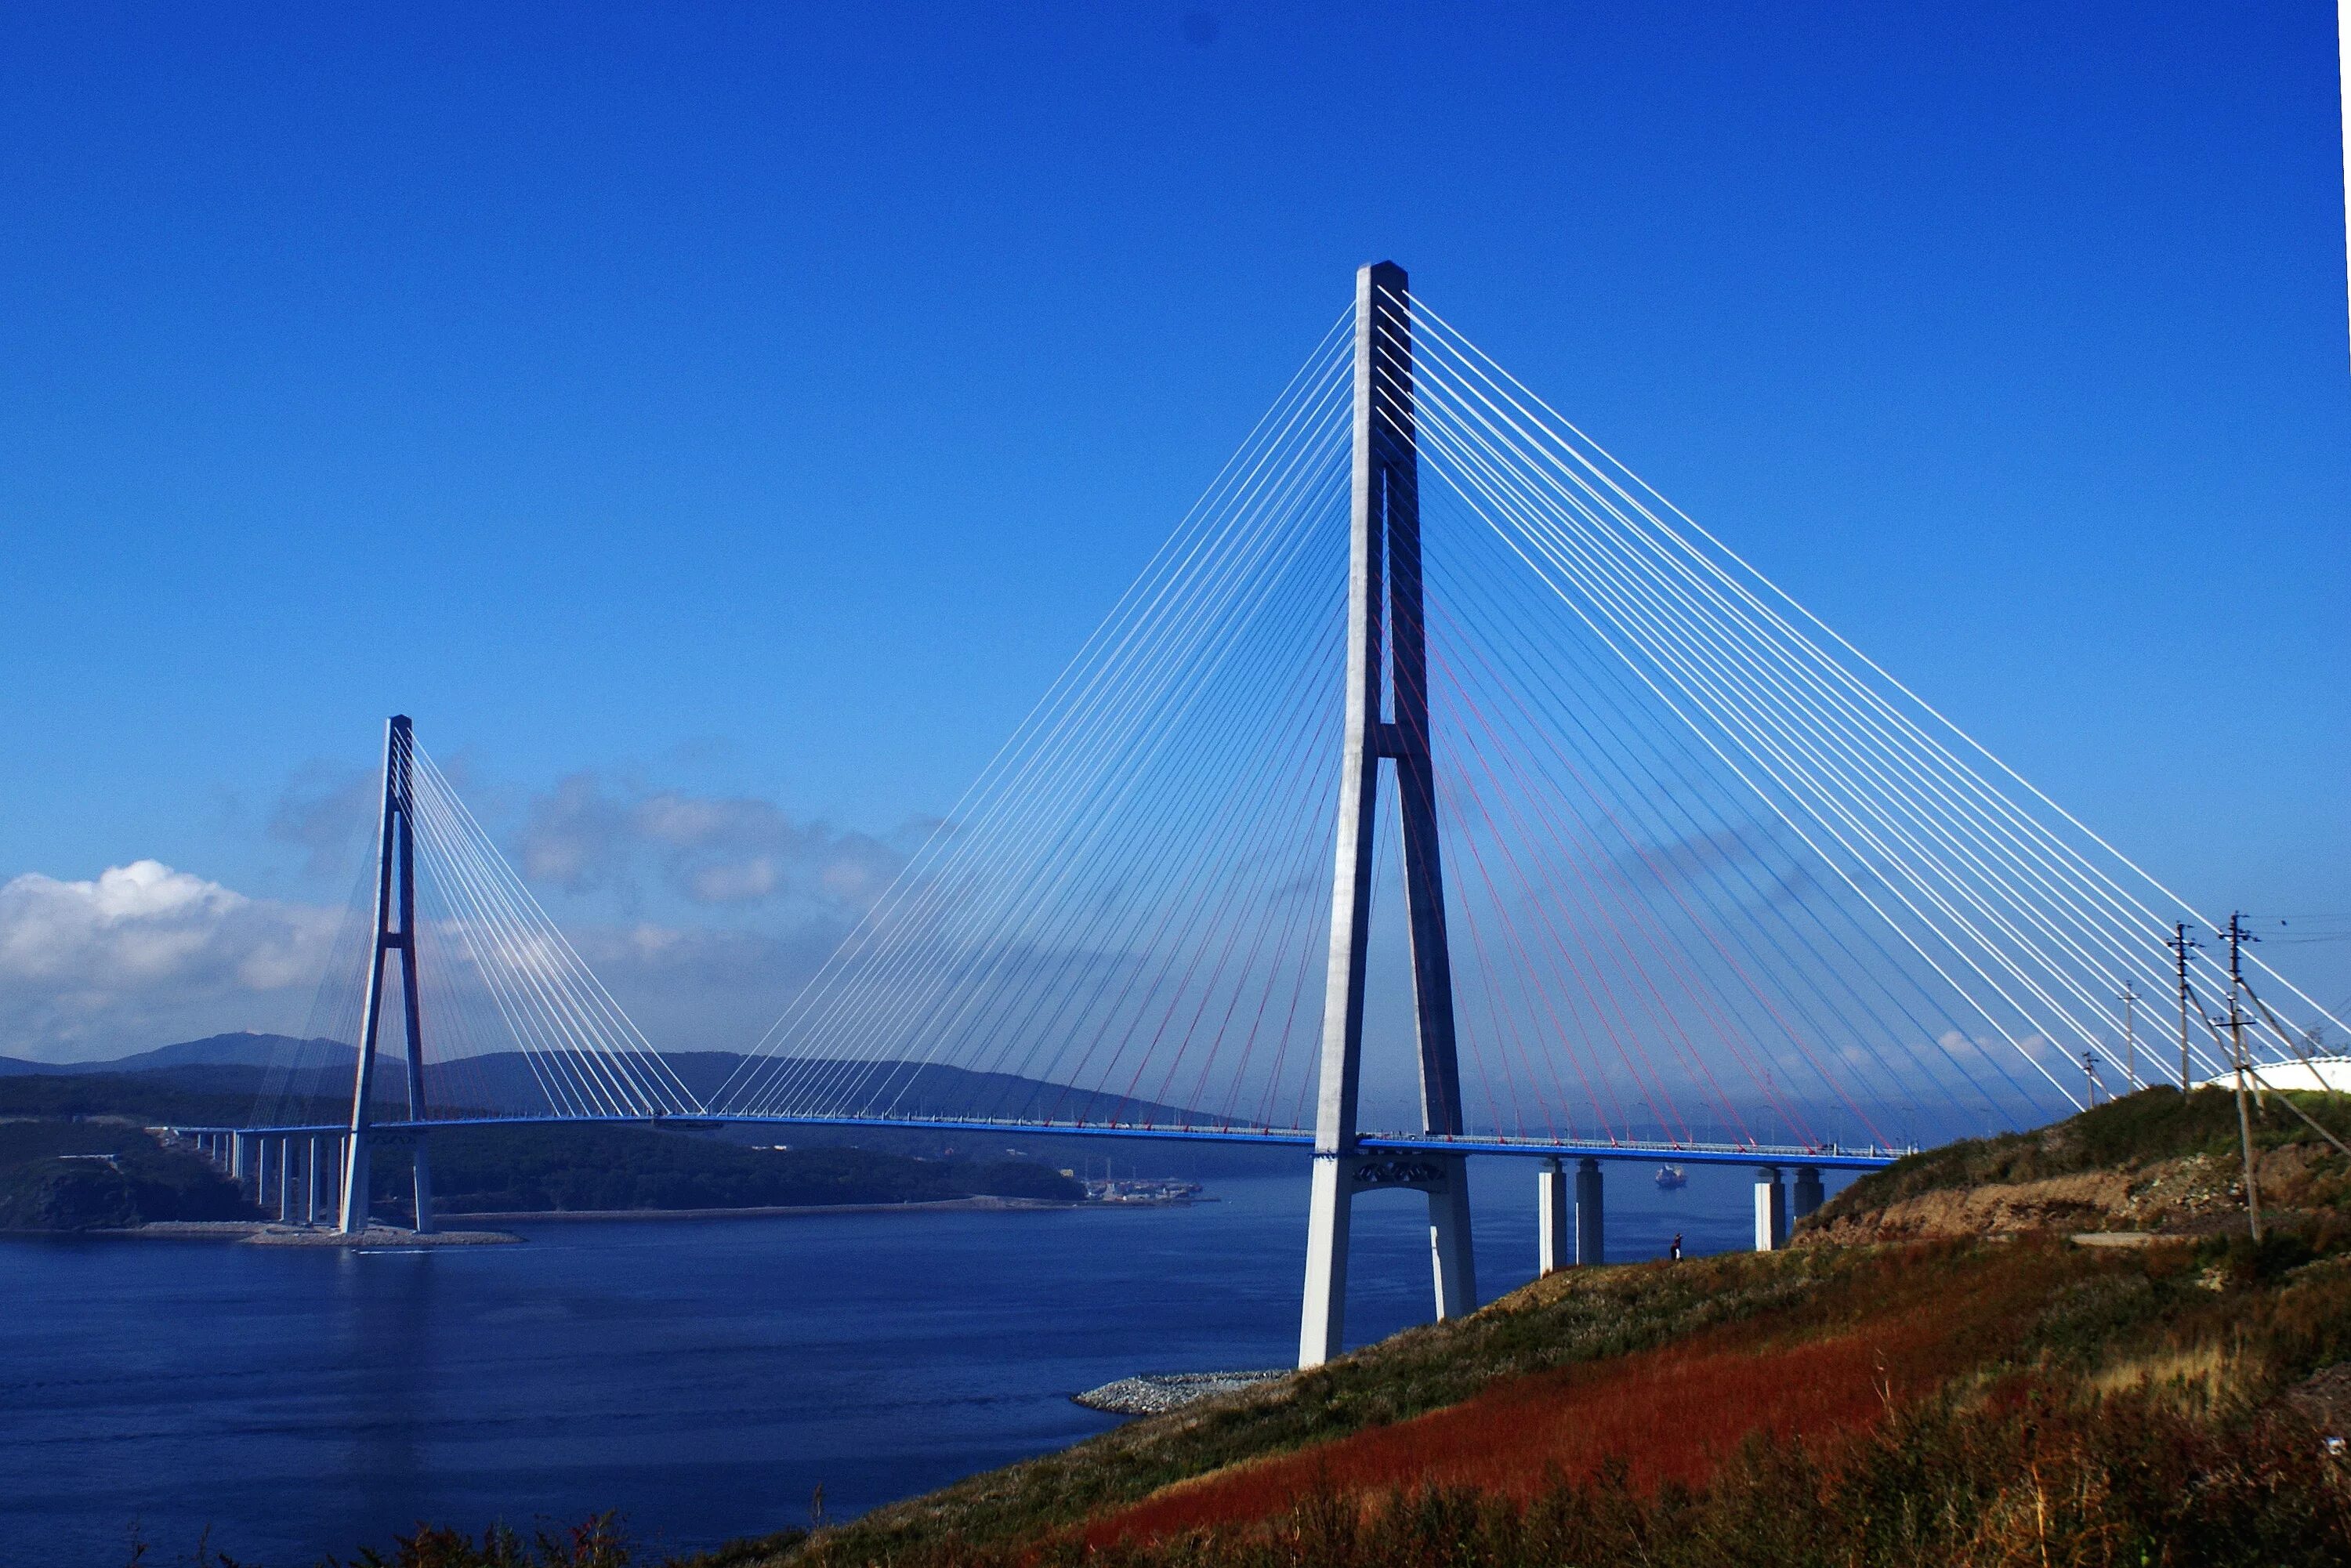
<point x="515" y="1021"/>
<point x="1712" y="876"/>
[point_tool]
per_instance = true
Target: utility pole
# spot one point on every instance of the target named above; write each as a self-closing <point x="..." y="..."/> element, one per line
<point x="2130" y="1037"/>
<point x="2180" y="943"/>
<point x="2090" y="1072"/>
<point x="2238" y="937"/>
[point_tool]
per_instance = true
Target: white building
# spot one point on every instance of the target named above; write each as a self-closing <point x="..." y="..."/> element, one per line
<point x="2331" y="1073"/>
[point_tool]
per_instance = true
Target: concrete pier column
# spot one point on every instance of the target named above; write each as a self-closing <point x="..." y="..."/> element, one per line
<point x="423" y="1187"/>
<point x="311" y="1184"/>
<point x="1453" y="1263"/>
<point x="1770" y="1210"/>
<point x="1807" y="1195"/>
<point x="240" y="1158"/>
<point x="354" y="1217"/>
<point x="1551" y="1218"/>
<point x="1330" y="1205"/>
<point x="286" y="1181"/>
<point x="1591" y="1226"/>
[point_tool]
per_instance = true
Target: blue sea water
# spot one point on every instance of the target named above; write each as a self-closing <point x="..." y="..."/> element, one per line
<point x="702" y="1378"/>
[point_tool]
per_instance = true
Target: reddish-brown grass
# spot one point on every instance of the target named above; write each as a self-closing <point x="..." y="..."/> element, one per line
<point x="1670" y="1414"/>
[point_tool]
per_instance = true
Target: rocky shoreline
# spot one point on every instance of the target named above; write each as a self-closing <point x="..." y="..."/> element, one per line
<point x="1157" y="1392"/>
<point x="269" y="1233"/>
<point x="929" y="1206"/>
<point x="264" y="1233"/>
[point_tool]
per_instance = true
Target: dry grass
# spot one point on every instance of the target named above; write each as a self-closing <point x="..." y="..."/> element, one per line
<point x="1668" y="1417"/>
<point x="2193" y="1378"/>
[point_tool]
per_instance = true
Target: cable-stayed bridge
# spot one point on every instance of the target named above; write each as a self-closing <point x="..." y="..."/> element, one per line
<point x="1438" y="789"/>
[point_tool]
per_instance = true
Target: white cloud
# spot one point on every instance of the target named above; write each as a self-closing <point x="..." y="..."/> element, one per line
<point x="589" y="834"/>
<point x="143" y="954"/>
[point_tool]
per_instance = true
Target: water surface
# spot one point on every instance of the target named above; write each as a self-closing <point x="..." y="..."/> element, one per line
<point x="702" y="1377"/>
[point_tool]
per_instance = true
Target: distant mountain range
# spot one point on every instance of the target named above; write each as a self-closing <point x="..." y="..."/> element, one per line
<point x="275" y="1072"/>
<point x="243" y="1049"/>
<point x="275" y="1065"/>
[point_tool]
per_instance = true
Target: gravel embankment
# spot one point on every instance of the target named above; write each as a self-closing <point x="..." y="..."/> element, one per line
<point x="1157" y="1392"/>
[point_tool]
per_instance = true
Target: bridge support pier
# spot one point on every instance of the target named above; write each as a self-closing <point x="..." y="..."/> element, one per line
<point x="286" y="1181"/>
<point x="424" y="1186"/>
<point x="1770" y="1210"/>
<point x="1329" y="1216"/>
<point x="1451" y="1259"/>
<point x="240" y="1156"/>
<point x="1551" y="1218"/>
<point x="354" y="1215"/>
<point x="1591" y="1223"/>
<point x="1808" y="1193"/>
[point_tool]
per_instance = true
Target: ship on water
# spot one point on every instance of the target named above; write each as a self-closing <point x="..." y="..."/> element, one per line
<point x="1671" y="1178"/>
<point x="1144" y="1190"/>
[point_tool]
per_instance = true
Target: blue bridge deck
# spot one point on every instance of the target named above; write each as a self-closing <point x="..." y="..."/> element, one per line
<point x="1830" y="1156"/>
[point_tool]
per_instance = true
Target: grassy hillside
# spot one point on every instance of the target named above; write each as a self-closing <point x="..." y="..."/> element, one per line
<point x="1961" y="1399"/>
<point x="2152" y="1161"/>
<point x="1877" y="1404"/>
<point x="2007" y="1396"/>
<point x="93" y="1175"/>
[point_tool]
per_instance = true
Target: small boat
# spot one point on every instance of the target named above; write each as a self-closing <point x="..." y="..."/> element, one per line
<point x="1671" y="1178"/>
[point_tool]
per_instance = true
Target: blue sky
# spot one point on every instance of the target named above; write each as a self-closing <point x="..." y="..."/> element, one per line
<point x="754" y="405"/>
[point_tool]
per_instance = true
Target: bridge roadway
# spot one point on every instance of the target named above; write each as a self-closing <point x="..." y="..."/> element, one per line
<point x="1568" y="1231"/>
<point x="1830" y="1156"/>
